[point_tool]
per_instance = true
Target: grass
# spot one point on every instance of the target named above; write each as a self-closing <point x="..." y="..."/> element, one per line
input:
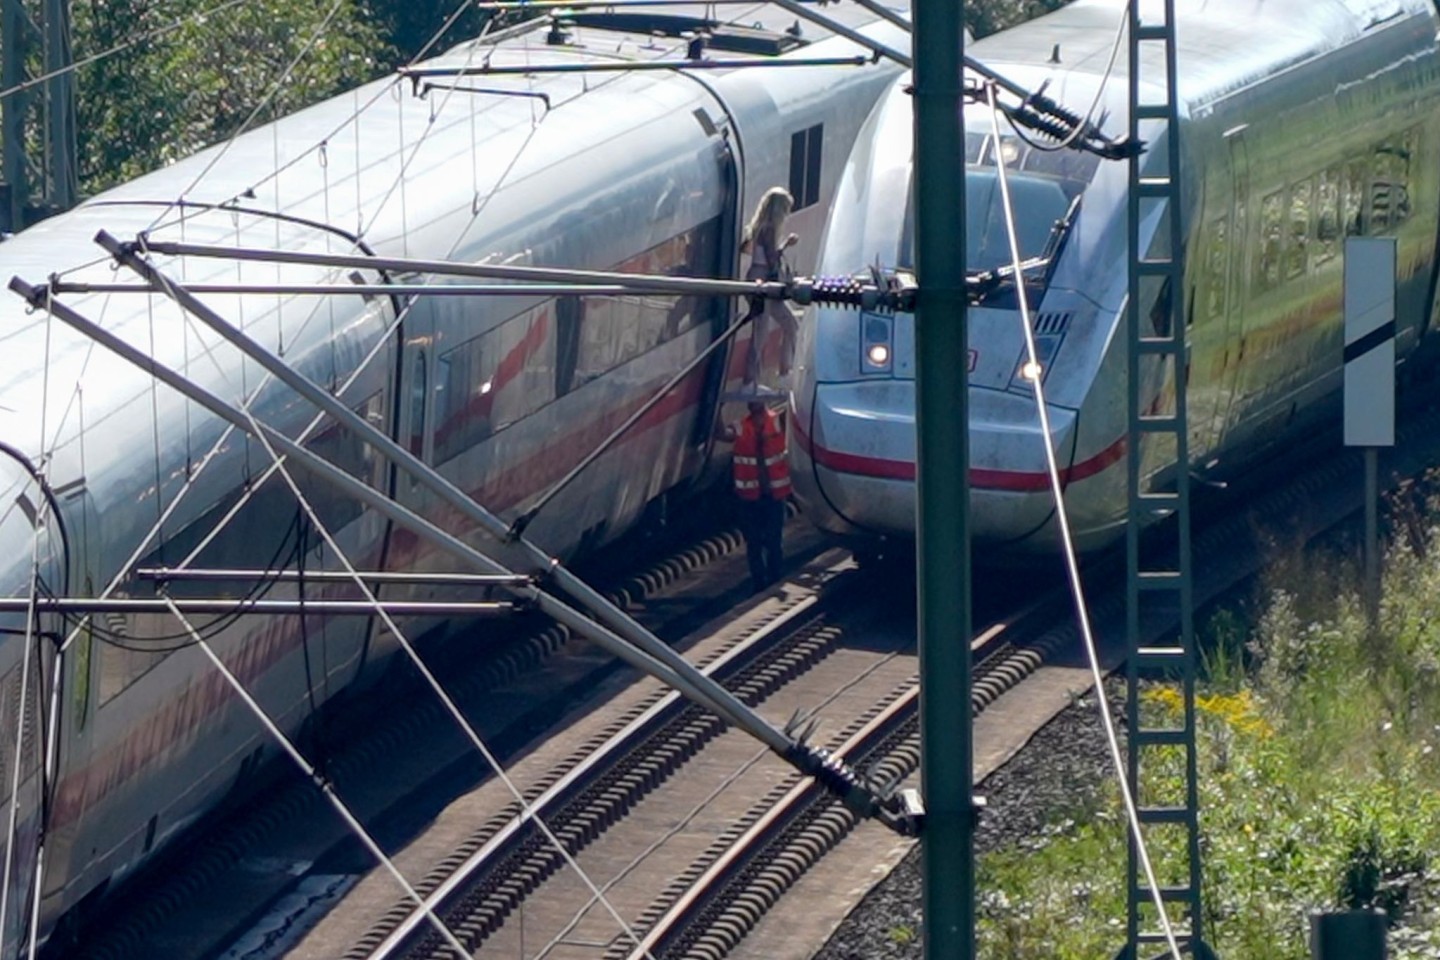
<point x="1319" y="760"/>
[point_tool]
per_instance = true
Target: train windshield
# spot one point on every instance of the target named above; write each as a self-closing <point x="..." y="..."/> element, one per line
<point x="1044" y="186"/>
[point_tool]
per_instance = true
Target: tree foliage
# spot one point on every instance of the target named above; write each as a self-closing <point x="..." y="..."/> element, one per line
<point x="175" y="91"/>
<point x="984" y="17"/>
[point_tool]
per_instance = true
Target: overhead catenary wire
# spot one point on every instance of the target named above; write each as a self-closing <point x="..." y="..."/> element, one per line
<point x="1080" y="128"/>
<point x="123" y="45"/>
<point x="1072" y="565"/>
<point x="315" y="36"/>
<point x="22" y="725"/>
<point x="324" y="785"/>
<point x="450" y="706"/>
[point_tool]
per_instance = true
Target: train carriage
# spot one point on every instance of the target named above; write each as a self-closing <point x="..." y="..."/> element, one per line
<point x="1301" y="123"/>
<point x="634" y="171"/>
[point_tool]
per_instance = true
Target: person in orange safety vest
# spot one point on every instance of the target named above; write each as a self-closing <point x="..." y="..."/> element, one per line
<point x="762" y="482"/>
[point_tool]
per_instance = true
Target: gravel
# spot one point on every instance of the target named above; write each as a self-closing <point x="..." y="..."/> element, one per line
<point x="1057" y="773"/>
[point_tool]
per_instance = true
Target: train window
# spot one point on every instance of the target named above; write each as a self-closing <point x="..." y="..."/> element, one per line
<point x="1298" y="241"/>
<point x="1217" y="256"/>
<point x="568" y="313"/>
<point x="493" y="380"/>
<point x="1327" y="216"/>
<point x="346" y="450"/>
<point x="261" y="535"/>
<point x="1354" y="198"/>
<point x="806" y="150"/>
<point x="1267" y="267"/>
<point x="1390" y="186"/>
<point x="418" y="390"/>
<point x="1039" y="203"/>
<point x="462" y="414"/>
<point x="616" y="330"/>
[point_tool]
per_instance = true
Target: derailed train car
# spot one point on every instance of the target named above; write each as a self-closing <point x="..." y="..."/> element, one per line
<point x="109" y="472"/>
<point x="1302" y="122"/>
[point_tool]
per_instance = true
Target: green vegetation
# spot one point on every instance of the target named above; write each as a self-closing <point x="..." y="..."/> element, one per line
<point x="167" y="96"/>
<point x="1320" y="780"/>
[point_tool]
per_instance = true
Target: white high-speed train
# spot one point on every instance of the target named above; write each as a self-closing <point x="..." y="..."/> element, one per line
<point x="1302" y="122"/>
<point x="650" y="171"/>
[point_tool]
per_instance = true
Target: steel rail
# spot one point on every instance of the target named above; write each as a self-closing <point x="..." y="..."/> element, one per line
<point x="315" y="777"/>
<point x="700" y="894"/>
<point x="587" y="772"/>
<point x="1005" y="653"/>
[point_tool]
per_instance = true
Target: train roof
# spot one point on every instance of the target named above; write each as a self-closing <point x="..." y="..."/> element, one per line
<point x="1217" y="52"/>
<point x="407" y="175"/>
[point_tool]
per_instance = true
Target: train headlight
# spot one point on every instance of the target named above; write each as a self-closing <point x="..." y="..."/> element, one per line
<point x="877" y="342"/>
<point x="1028" y="373"/>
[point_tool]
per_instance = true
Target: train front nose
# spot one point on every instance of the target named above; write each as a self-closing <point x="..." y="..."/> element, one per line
<point x="857" y="456"/>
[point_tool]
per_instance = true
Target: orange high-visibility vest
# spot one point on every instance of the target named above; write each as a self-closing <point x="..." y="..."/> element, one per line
<point x="761" y="466"/>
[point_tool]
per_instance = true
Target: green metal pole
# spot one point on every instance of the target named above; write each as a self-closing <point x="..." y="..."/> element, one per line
<point x="942" y="481"/>
<point x="13" y="34"/>
<point x="59" y="110"/>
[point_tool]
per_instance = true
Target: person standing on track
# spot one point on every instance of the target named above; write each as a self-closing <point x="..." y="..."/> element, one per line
<point x="767" y="262"/>
<point x="761" y="467"/>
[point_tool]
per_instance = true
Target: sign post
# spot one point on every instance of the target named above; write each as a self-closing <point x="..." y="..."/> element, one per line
<point x="1370" y="379"/>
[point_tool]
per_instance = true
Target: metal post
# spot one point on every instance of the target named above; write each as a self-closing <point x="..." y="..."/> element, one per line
<point x="942" y="485"/>
<point x="62" y="184"/>
<point x="1372" y="535"/>
<point x="12" y="112"/>
<point x="1348" y="935"/>
<point x="1369" y="360"/>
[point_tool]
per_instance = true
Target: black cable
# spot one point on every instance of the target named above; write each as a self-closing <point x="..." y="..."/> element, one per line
<point x="206" y="631"/>
<point x="302" y="521"/>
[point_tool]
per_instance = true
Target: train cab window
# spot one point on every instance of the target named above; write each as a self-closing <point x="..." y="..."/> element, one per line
<point x="418" y="395"/>
<point x="1267" y="267"/>
<point x="1327" y="217"/>
<point x="1298" y="230"/>
<point x="1039" y="204"/>
<point x="806" y="149"/>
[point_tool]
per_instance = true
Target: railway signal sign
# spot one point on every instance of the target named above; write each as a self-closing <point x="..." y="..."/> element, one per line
<point x="1369" y="342"/>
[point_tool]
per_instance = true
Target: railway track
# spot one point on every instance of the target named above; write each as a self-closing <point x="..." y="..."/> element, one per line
<point x="672" y="797"/>
<point x="255" y="854"/>
<point x="696" y="833"/>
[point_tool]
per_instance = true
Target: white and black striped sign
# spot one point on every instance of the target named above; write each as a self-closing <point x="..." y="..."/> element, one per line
<point x="1369" y="342"/>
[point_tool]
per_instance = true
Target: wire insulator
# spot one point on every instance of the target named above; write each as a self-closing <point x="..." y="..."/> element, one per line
<point x="844" y="292"/>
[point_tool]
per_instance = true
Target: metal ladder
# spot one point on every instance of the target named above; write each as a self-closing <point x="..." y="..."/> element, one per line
<point x="1158" y="489"/>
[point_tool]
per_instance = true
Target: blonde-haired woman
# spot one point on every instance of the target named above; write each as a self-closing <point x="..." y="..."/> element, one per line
<point x="762" y="241"/>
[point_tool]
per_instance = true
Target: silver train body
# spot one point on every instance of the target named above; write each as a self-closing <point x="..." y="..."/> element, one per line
<point x="106" y="471"/>
<point x="1302" y="122"/>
